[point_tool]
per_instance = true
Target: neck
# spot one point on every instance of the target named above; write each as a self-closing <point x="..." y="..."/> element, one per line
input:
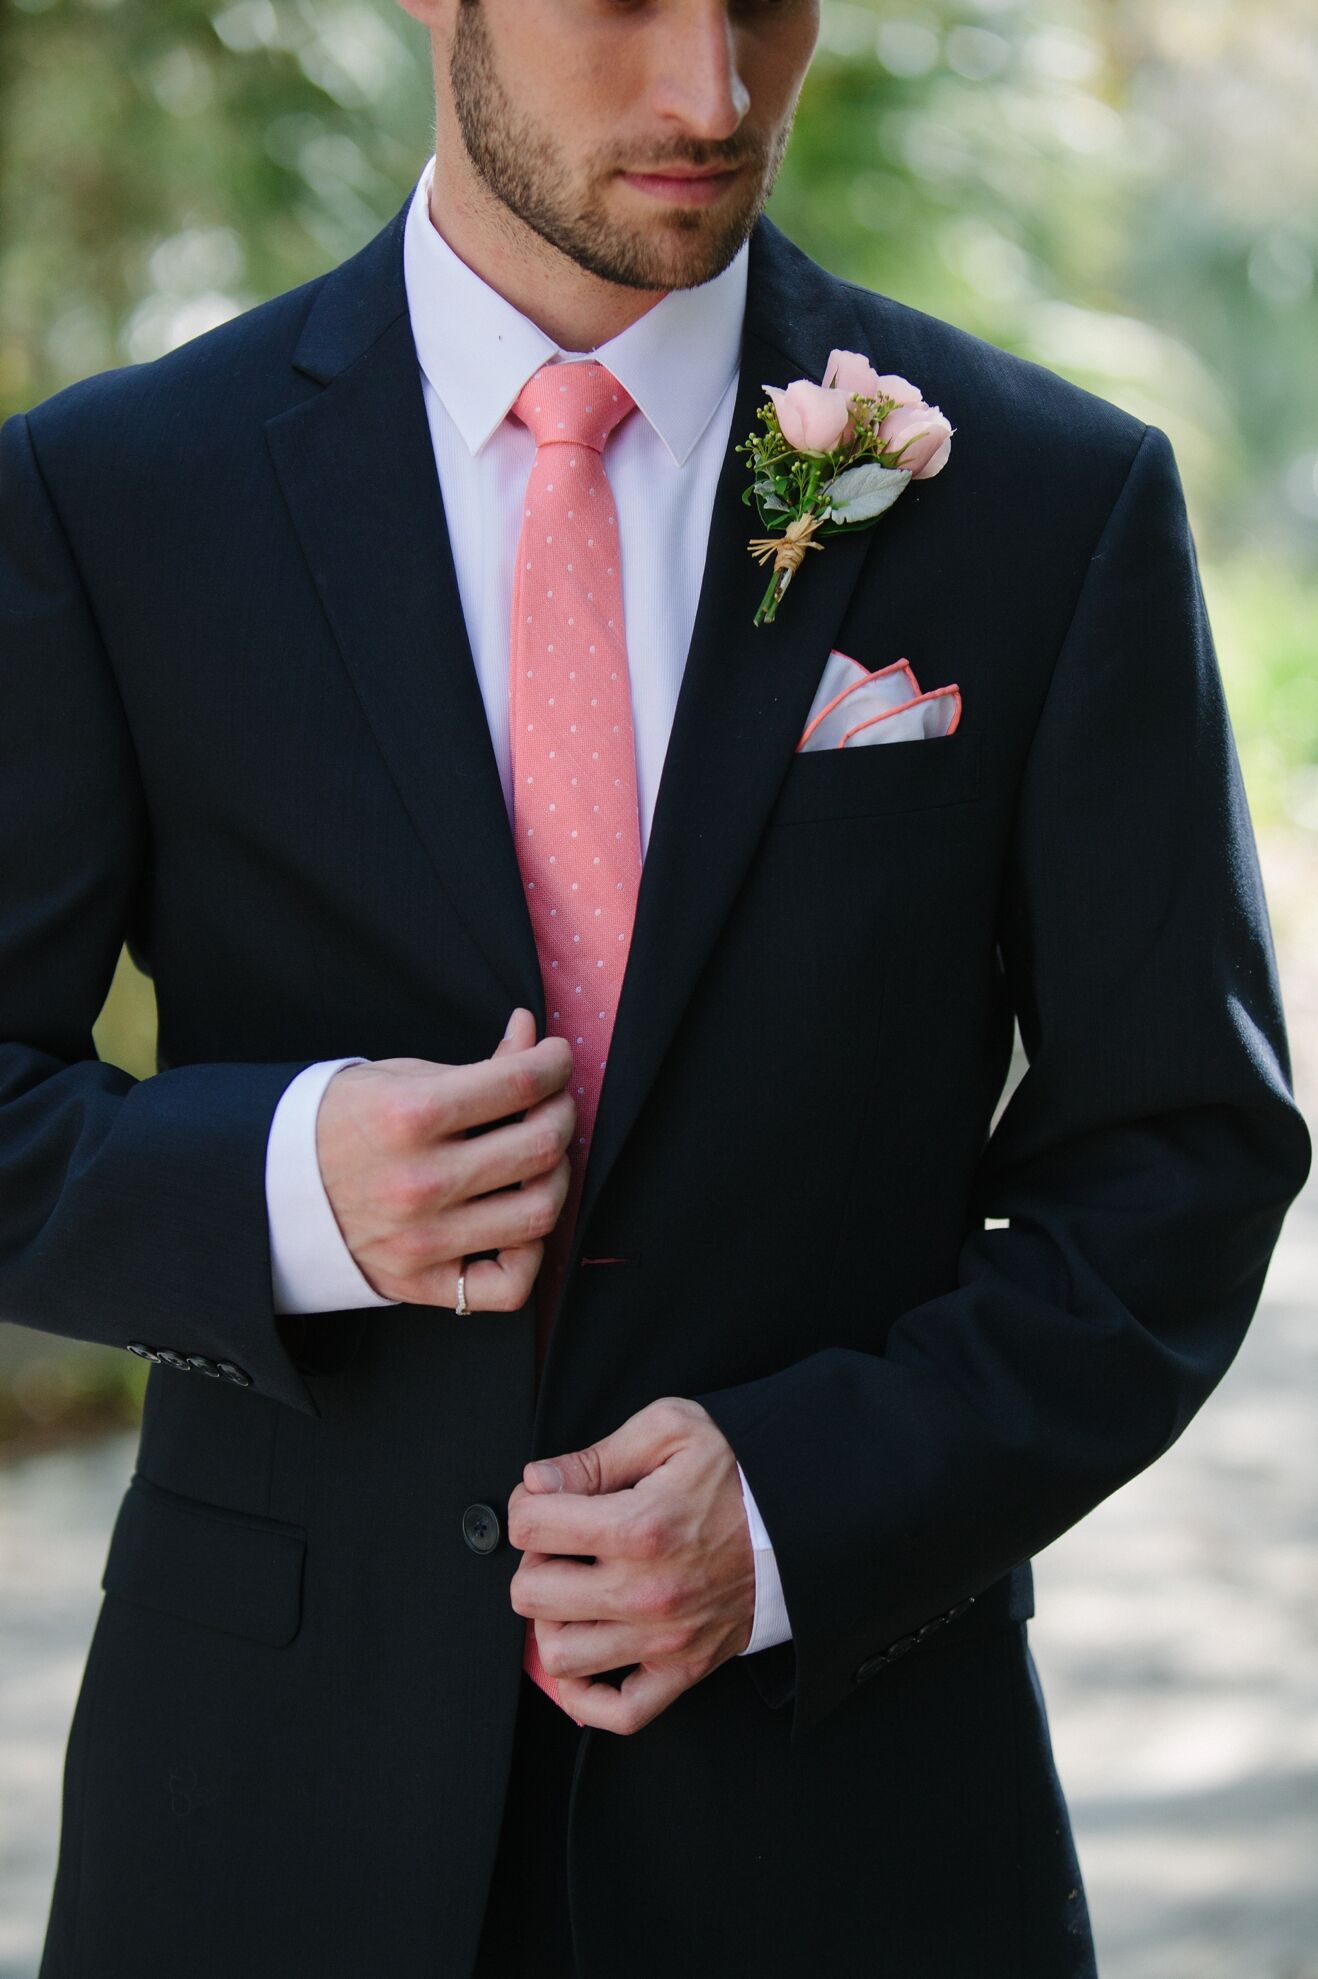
<point x="578" y="310"/>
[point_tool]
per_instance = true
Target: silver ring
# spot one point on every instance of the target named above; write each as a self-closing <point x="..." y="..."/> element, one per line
<point x="462" y="1306"/>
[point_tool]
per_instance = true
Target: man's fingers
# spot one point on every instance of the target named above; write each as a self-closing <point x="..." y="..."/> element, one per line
<point x="520" y="1034"/>
<point x="462" y="1096"/>
<point x="631" y="1452"/>
<point x="588" y="1649"/>
<point x="584" y="1649"/>
<point x="644" y="1694"/>
<point x="508" y="1216"/>
<point x="569" y="1522"/>
<point x="574" y="1590"/>
<point x="493" y="1285"/>
<point x="514" y="1151"/>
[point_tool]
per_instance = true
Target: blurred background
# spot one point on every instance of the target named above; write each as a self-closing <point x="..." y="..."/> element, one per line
<point x="1125" y="191"/>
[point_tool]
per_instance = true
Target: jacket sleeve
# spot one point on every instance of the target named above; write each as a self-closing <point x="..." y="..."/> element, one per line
<point x="1145" y="1161"/>
<point x="130" y="1210"/>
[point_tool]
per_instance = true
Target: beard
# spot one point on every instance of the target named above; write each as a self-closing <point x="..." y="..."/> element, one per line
<point x="526" y="173"/>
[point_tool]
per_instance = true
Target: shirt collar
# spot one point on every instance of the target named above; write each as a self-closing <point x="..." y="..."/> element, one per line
<point x="477" y="350"/>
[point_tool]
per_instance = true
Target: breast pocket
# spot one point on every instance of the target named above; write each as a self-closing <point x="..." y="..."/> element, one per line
<point x="870" y="778"/>
<point x="225" y="1570"/>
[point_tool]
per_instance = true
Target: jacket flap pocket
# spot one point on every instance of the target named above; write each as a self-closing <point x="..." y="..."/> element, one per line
<point x="225" y="1569"/>
<point x="895" y="776"/>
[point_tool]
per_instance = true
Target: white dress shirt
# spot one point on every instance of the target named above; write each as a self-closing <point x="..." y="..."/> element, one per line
<point x="680" y="362"/>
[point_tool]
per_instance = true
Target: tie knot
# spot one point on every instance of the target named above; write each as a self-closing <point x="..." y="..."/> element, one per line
<point x="579" y="403"/>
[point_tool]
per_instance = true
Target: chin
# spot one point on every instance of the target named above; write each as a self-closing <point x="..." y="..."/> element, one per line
<point x="687" y="264"/>
<point x="685" y="243"/>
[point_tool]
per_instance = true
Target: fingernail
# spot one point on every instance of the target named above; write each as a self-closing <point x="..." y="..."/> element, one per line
<point x="509" y="1031"/>
<point x="549" y="1476"/>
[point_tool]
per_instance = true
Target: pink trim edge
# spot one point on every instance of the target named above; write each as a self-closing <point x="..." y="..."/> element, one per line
<point x="879" y="673"/>
<point x="934" y="694"/>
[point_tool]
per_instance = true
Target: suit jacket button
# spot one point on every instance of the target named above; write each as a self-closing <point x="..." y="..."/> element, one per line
<point x="870" y="1667"/>
<point x="232" y="1372"/>
<point x="205" y="1366"/>
<point x="480" y="1528"/>
<point x="961" y="1607"/>
<point x="901" y="1646"/>
<point x="173" y="1358"/>
<point x="140" y="1347"/>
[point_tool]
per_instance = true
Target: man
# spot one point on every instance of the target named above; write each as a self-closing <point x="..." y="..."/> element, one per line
<point x="541" y="1568"/>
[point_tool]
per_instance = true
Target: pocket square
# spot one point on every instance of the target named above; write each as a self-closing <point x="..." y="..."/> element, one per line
<point x="853" y="706"/>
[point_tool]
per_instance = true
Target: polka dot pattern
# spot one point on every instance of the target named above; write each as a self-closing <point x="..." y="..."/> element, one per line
<point x="576" y="822"/>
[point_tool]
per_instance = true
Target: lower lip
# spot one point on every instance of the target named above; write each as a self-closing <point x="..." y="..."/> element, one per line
<point x="682" y="192"/>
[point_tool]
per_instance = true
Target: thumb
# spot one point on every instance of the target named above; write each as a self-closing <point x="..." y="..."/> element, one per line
<point x="616" y="1461"/>
<point x="520" y="1034"/>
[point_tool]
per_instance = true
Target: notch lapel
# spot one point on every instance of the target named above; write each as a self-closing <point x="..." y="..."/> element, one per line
<point x="745" y="694"/>
<point x="357" y="469"/>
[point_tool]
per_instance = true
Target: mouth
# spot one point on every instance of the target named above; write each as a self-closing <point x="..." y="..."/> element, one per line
<point x="684" y="188"/>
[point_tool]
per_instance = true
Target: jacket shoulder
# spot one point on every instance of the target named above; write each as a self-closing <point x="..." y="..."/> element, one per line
<point x="1019" y="426"/>
<point x="240" y="366"/>
<point x="1011" y="396"/>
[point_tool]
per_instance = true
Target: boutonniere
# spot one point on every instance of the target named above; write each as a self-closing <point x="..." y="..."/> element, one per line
<point x="835" y="457"/>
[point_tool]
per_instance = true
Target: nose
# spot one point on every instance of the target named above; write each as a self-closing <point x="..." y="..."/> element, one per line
<point x="698" y="84"/>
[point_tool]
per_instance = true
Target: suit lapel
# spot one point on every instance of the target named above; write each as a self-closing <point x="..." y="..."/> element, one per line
<point x="745" y="694"/>
<point x="358" y="473"/>
<point x="357" y="468"/>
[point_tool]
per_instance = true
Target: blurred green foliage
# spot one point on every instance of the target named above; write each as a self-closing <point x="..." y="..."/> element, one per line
<point x="1123" y="190"/>
<point x="52" y="1390"/>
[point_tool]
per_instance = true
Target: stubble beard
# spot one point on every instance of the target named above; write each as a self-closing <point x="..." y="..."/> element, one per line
<point x="524" y="172"/>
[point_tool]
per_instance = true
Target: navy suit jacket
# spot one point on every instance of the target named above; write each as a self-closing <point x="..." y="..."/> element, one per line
<point x="242" y="732"/>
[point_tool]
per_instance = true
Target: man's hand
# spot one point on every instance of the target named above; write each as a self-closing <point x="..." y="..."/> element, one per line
<point x="671" y="1581"/>
<point x="411" y="1188"/>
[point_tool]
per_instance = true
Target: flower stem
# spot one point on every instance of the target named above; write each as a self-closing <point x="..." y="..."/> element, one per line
<point x="769" y="602"/>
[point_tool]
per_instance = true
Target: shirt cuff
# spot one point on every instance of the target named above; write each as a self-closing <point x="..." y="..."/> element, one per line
<point x="311" y="1267"/>
<point x="770" y="1624"/>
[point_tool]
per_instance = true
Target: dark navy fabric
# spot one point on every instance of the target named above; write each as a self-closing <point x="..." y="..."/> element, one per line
<point x="527" y="1928"/>
<point x="243" y="732"/>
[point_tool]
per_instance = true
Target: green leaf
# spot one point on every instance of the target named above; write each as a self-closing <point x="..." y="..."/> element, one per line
<point x="859" y="494"/>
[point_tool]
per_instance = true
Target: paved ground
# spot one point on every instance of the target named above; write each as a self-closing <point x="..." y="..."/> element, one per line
<point x="56" y="1512"/>
<point x="1175" y="1640"/>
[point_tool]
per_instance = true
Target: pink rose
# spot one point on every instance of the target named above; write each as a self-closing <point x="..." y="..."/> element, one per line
<point x="812" y="417"/>
<point x="853" y="374"/>
<point x="920" y="436"/>
<point x="900" y="389"/>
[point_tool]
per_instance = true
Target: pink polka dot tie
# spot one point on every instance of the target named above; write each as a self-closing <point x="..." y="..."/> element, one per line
<point x="575" y="818"/>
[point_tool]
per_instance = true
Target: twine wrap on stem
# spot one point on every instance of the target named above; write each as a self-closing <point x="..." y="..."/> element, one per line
<point x="788" y="551"/>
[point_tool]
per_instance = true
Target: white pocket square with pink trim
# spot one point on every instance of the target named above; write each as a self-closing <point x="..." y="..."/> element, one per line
<point x="853" y="706"/>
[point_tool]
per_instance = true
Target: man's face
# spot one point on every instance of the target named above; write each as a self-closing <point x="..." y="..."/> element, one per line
<point x="559" y="101"/>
